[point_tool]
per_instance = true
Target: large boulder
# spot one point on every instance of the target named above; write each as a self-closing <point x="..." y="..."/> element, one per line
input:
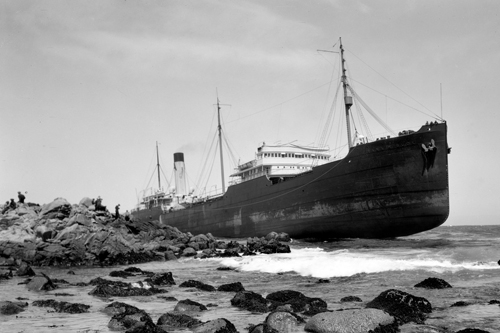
<point x="133" y="319"/>
<point x="59" y="205"/>
<point x="352" y="321"/>
<point x="298" y="301"/>
<point x="403" y="306"/>
<point x="86" y="201"/>
<point x="235" y="286"/>
<point x="250" y="301"/>
<point x="282" y="321"/>
<point x="433" y="283"/>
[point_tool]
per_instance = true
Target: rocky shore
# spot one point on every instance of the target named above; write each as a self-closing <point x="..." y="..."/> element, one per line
<point x="61" y="234"/>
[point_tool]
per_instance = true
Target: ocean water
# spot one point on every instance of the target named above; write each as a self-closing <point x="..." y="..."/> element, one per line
<point x="464" y="256"/>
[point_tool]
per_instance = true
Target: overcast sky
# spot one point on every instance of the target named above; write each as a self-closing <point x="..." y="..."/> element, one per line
<point x="87" y="88"/>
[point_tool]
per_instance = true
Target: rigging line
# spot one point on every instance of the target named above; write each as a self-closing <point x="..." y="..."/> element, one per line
<point x="373" y="114"/>
<point x="326" y="126"/>
<point x="229" y="147"/>
<point x="340" y="134"/>
<point x="161" y="169"/>
<point x="203" y="168"/>
<point x="165" y="177"/>
<point x="230" y="151"/>
<point x="211" y="168"/>
<point x="205" y="147"/>
<point x="150" y="180"/>
<point x="394" y="84"/>
<point x="288" y="192"/>
<point x="149" y="168"/>
<point x="288" y="100"/>
<point x="434" y="116"/>
<point x="330" y="120"/>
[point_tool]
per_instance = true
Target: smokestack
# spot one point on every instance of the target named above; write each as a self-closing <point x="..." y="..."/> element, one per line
<point x="180" y="175"/>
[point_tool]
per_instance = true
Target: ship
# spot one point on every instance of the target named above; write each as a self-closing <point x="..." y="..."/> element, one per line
<point x="389" y="187"/>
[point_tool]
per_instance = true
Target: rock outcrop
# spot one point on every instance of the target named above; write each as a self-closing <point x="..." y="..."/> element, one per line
<point x="61" y="234"/>
<point x="402" y="306"/>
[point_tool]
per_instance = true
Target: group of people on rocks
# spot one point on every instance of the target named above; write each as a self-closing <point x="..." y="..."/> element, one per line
<point x="12" y="204"/>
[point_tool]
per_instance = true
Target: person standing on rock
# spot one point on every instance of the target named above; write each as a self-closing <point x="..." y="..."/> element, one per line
<point x="6" y="208"/>
<point x="117" y="211"/>
<point x="21" y="197"/>
<point x="98" y="203"/>
<point x="12" y="204"/>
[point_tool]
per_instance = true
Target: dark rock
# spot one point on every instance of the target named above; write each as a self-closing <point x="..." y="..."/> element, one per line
<point x="106" y="288"/>
<point x="133" y="320"/>
<point x="472" y="330"/>
<point x="403" y="306"/>
<point x="71" y="273"/>
<point x="230" y="252"/>
<point x="189" y="305"/>
<point x="65" y="307"/>
<point x="283" y="237"/>
<point x="226" y="268"/>
<point x="351" y="299"/>
<point x="169" y="255"/>
<point x="11" y="308"/>
<point x="494" y="301"/>
<point x="272" y="235"/>
<point x="323" y="281"/>
<point x="119" y="307"/>
<point x="168" y="298"/>
<point x="274" y="246"/>
<point x="298" y="301"/>
<point x="133" y="270"/>
<point x="259" y="328"/>
<point x="433" y="283"/>
<point x="362" y="320"/>
<point x="220" y="325"/>
<point x="235" y="286"/>
<point x="162" y="279"/>
<point x="188" y="252"/>
<point x="460" y="303"/>
<point x="250" y="301"/>
<point x="197" y="284"/>
<point x="177" y="320"/>
<point x="63" y="294"/>
<point x="121" y="274"/>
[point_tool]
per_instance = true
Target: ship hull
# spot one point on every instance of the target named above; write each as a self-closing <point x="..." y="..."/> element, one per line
<point x="387" y="188"/>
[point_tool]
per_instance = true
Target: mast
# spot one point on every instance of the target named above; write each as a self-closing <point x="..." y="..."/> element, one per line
<point x="347" y="99"/>
<point x="219" y="128"/>
<point x="158" y="166"/>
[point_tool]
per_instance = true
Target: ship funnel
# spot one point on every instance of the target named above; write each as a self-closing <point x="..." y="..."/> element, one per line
<point x="180" y="175"/>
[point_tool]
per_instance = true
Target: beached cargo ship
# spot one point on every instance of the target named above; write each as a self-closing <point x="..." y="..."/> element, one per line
<point x="389" y="187"/>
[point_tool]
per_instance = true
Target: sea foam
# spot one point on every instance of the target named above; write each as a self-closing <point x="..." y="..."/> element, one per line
<point x="318" y="263"/>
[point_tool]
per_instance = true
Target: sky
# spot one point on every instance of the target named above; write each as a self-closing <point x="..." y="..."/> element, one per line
<point x="87" y="88"/>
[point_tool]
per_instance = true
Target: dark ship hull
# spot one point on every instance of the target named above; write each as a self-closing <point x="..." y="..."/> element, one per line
<point x="387" y="188"/>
